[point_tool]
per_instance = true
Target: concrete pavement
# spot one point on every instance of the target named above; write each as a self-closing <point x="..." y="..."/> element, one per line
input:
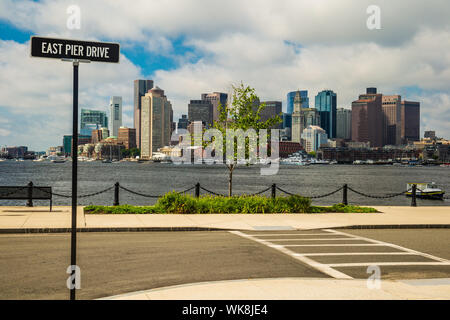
<point x="22" y="218"/>
<point x="297" y="289"/>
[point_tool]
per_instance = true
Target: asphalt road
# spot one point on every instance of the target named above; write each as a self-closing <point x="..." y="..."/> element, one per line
<point x="33" y="266"/>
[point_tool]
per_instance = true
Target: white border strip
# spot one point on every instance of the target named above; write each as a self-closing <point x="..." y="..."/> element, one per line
<point x="316" y="265"/>
<point x="366" y="264"/>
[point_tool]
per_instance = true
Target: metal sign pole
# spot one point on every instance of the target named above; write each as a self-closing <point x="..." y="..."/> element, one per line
<point x="73" y="242"/>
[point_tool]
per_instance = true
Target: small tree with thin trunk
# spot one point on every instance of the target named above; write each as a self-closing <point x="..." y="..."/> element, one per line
<point x="243" y="112"/>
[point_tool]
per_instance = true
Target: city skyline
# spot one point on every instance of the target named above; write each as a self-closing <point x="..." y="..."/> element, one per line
<point x="330" y="48"/>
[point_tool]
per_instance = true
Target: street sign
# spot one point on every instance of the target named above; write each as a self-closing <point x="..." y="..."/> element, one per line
<point x="75" y="49"/>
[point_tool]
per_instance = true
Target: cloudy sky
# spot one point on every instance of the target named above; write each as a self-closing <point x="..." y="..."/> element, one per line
<point x="194" y="46"/>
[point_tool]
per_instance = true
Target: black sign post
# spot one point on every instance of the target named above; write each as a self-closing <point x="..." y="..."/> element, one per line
<point x="74" y="51"/>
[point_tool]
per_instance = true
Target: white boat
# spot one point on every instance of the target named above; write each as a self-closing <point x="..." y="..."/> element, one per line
<point x="425" y="191"/>
<point x="56" y="159"/>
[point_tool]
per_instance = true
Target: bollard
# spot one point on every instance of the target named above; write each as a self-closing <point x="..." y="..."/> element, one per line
<point x="30" y="194"/>
<point x="116" y="194"/>
<point x="197" y="190"/>
<point x="274" y="190"/>
<point x="413" y="195"/>
<point x="344" y="194"/>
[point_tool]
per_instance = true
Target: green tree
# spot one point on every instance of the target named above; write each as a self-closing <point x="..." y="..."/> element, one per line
<point x="242" y="113"/>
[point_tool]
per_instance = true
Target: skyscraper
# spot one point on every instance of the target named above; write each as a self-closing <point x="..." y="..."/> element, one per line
<point x="367" y="119"/>
<point x="272" y="109"/>
<point x="91" y="120"/>
<point x="127" y="137"/>
<point x="302" y="118"/>
<point x="141" y="87"/>
<point x="410" y="121"/>
<point x="155" y="122"/>
<point x="313" y="137"/>
<point x="291" y="97"/>
<point x="326" y="103"/>
<point x="215" y="98"/>
<point x="391" y="118"/>
<point x="183" y="122"/>
<point x="115" y="115"/>
<point x="344" y="123"/>
<point x="201" y="110"/>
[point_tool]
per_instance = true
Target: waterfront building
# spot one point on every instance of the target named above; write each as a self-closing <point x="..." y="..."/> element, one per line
<point x="88" y="118"/>
<point x="344" y="123"/>
<point x="430" y="134"/>
<point x="314" y="137"/>
<point x="367" y="118"/>
<point x="272" y="109"/>
<point x="155" y="122"/>
<point x="183" y="122"/>
<point x="105" y="133"/>
<point x="127" y="137"/>
<point x="96" y="136"/>
<point x="115" y="115"/>
<point x="291" y="97"/>
<point x="67" y="142"/>
<point x="141" y="87"/>
<point x="215" y="98"/>
<point x="410" y="121"/>
<point x="287" y="148"/>
<point x="326" y="104"/>
<point x="88" y="128"/>
<point x="15" y="152"/>
<point x="391" y="119"/>
<point x="348" y="155"/>
<point x="201" y="110"/>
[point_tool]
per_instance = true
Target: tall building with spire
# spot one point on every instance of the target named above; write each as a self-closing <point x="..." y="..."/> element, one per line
<point x="156" y="124"/>
<point x="302" y="118"/>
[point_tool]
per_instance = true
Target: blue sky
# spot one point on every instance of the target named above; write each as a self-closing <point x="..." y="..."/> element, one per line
<point x="189" y="47"/>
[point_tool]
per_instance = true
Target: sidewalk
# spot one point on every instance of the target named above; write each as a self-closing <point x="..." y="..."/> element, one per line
<point x="297" y="289"/>
<point x="24" y="219"/>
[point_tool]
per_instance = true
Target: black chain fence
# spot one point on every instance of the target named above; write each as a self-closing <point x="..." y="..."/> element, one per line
<point x="197" y="187"/>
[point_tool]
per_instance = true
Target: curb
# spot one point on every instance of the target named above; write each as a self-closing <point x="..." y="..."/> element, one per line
<point x="397" y="226"/>
<point x="114" y="229"/>
<point x="166" y="229"/>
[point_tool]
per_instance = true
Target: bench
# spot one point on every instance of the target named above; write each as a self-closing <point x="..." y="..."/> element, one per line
<point x="28" y="193"/>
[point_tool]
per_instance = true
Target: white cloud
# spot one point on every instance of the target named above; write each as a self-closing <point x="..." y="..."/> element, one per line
<point x="41" y="89"/>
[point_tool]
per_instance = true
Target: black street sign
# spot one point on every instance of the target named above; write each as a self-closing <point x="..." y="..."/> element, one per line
<point x="75" y="49"/>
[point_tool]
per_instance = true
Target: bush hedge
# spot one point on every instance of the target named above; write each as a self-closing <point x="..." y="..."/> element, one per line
<point x="174" y="202"/>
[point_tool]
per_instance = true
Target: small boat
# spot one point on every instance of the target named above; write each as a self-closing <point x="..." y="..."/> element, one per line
<point x="106" y="161"/>
<point x="425" y="191"/>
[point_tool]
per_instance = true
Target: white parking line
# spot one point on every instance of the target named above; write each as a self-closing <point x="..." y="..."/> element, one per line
<point x="336" y="245"/>
<point x="328" y="268"/>
<point x="357" y="254"/>
<point x="294" y="234"/>
<point x="366" y="264"/>
<point x="316" y="265"/>
<point x="426" y="255"/>
<point x="316" y="239"/>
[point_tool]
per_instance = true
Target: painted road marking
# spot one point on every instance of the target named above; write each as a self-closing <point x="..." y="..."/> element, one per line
<point x="366" y="264"/>
<point x="316" y="265"/>
<point x="357" y="254"/>
<point x="329" y="268"/>
<point x="426" y="255"/>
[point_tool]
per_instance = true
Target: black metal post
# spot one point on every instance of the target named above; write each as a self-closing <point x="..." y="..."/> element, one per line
<point x="116" y="194"/>
<point x="30" y="194"/>
<point x="344" y="194"/>
<point x="274" y="190"/>
<point x="413" y="195"/>
<point x="73" y="240"/>
<point x="197" y="190"/>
